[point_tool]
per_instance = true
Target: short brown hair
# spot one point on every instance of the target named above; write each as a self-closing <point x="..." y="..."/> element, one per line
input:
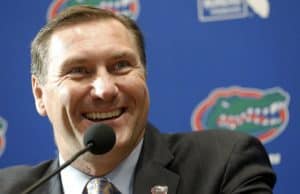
<point x="71" y="16"/>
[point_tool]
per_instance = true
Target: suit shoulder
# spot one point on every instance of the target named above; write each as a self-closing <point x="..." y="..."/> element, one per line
<point x="39" y="168"/>
<point x="212" y="141"/>
<point x="21" y="176"/>
<point x="224" y="136"/>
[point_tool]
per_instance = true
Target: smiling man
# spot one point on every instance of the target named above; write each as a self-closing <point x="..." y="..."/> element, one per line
<point x="94" y="74"/>
<point x="89" y="67"/>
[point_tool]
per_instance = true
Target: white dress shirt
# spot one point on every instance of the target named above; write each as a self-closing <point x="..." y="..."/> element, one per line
<point x="73" y="180"/>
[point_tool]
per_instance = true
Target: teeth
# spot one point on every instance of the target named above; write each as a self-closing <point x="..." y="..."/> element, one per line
<point x="273" y="108"/>
<point x="248" y="119"/>
<point x="256" y="120"/>
<point x="101" y="115"/>
<point x="250" y="111"/>
<point x="222" y="116"/>
<point x="125" y="3"/>
<point x="117" y="4"/>
<point x="274" y="121"/>
<point x="265" y="111"/>
<point x="281" y="105"/>
<point x="263" y="116"/>
<point x="232" y="126"/>
<point x="257" y="111"/>
<point x="243" y="115"/>
<point x="265" y="122"/>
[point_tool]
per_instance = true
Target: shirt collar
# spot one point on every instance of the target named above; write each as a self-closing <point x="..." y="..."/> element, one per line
<point x="73" y="180"/>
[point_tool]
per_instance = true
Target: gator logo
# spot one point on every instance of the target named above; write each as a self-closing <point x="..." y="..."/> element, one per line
<point x="261" y="113"/>
<point x="126" y="7"/>
<point x="3" y="127"/>
<point x="219" y="10"/>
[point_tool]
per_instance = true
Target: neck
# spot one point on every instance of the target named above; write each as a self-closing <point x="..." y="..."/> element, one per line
<point x="100" y="165"/>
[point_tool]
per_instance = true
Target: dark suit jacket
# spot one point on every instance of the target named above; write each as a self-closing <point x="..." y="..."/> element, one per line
<point x="209" y="162"/>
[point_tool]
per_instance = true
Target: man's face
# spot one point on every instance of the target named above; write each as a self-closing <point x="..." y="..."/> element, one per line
<point x="94" y="76"/>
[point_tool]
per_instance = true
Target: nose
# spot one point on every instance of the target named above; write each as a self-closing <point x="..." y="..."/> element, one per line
<point x="104" y="88"/>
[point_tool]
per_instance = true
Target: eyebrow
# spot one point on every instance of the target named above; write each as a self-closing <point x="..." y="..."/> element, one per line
<point x="122" y="54"/>
<point x="115" y="55"/>
<point x="75" y="60"/>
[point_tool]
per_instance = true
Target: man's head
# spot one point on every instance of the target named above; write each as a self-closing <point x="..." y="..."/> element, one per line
<point x="72" y="16"/>
<point x="91" y="69"/>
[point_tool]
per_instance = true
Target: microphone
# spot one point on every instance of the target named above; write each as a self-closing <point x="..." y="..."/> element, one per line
<point x="98" y="139"/>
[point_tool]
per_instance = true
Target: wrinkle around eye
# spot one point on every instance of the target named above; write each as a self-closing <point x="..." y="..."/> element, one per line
<point x="79" y="70"/>
<point x="119" y="66"/>
<point x="123" y="67"/>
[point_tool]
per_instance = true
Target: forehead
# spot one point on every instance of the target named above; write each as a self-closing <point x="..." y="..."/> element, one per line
<point x="92" y="29"/>
<point x="91" y="36"/>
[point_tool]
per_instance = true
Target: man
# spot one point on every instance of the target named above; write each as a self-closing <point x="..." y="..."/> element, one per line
<point x="88" y="67"/>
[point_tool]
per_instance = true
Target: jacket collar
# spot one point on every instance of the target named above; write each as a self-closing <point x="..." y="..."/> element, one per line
<point x="152" y="168"/>
<point x="53" y="186"/>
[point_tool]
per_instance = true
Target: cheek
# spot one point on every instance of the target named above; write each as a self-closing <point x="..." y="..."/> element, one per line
<point x="58" y="98"/>
<point x="138" y="92"/>
<point x="143" y="93"/>
<point x="54" y="103"/>
<point x="72" y="98"/>
<point x="136" y="88"/>
<point x="71" y="90"/>
<point x="65" y="95"/>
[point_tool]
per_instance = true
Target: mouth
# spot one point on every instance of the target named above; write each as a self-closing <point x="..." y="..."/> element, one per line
<point x="103" y="116"/>
<point x="269" y="116"/>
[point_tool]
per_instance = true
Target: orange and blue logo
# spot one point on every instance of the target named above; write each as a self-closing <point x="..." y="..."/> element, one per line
<point x="129" y="8"/>
<point x="3" y="127"/>
<point x="261" y="113"/>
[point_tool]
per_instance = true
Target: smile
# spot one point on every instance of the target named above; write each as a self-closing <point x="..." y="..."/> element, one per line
<point x="99" y="116"/>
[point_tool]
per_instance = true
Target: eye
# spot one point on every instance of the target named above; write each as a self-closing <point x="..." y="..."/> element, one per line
<point x="78" y="70"/>
<point x="121" y="66"/>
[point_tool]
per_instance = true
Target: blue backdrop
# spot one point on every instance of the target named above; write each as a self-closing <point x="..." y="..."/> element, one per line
<point x="211" y="63"/>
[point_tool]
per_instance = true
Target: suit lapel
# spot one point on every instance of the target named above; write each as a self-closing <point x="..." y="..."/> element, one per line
<point x="151" y="169"/>
<point x="152" y="165"/>
<point x="53" y="186"/>
<point x="153" y="175"/>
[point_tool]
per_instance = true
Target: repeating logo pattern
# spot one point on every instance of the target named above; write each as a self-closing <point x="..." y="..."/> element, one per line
<point x="3" y="127"/>
<point x="218" y="10"/>
<point x="261" y="113"/>
<point x="129" y="8"/>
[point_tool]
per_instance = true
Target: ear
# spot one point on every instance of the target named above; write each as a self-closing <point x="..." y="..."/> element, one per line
<point x="37" y="91"/>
